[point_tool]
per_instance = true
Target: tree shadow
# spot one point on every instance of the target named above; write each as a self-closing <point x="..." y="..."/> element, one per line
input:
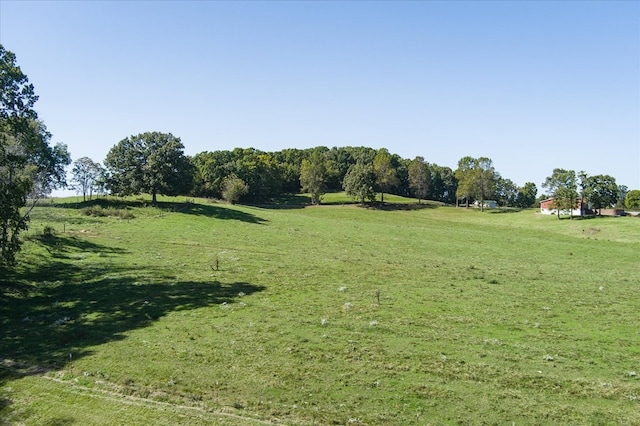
<point x="54" y="322"/>
<point x="399" y="206"/>
<point x="187" y="207"/>
<point x="62" y="246"/>
<point x="501" y="210"/>
<point x="285" y="202"/>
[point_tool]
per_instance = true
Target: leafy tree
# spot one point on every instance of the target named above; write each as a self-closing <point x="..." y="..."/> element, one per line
<point x="149" y="162"/>
<point x="583" y="184"/>
<point x="485" y="180"/>
<point x="313" y="176"/>
<point x="85" y="176"/>
<point x="260" y="171"/>
<point x="465" y="176"/>
<point x="211" y="168"/>
<point x="29" y="167"/>
<point x="419" y="178"/>
<point x="386" y="176"/>
<point x="632" y="200"/>
<point x="444" y="184"/>
<point x="622" y="195"/>
<point x="360" y="181"/>
<point x="562" y="187"/>
<point x="233" y="189"/>
<point x="476" y="178"/>
<point x="526" y="197"/>
<point x="602" y="191"/>
<point x="506" y="192"/>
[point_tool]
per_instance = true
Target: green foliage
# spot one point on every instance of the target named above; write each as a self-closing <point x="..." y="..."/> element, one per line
<point x="385" y="172"/>
<point x="313" y="176"/>
<point x="87" y="176"/>
<point x="359" y="182"/>
<point x="29" y="167"/>
<point x="477" y="179"/>
<point x="419" y="178"/>
<point x="562" y="187"/>
<point x="601" y="191"/>
<point x="152" y="163"/>
<point x="632" y="200"/>
<point x="233" y="189"/>
<point x="99" y="211"/>
<point x="526" y="197"/>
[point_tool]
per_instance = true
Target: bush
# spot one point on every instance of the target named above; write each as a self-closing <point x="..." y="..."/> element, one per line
<point x="48" y="232"/>
<point x="98" y="211"/>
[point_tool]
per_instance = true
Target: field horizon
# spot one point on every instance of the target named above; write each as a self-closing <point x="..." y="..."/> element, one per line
<point x="195" y="312"/>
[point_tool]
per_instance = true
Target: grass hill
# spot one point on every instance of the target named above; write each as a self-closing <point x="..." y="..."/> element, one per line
<point x="191" y="312"/>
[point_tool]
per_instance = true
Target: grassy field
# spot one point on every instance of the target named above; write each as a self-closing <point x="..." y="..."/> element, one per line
<point x="191" y="312"/>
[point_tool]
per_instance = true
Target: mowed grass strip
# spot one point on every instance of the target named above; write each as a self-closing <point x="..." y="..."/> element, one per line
<point x="335" y="314"/>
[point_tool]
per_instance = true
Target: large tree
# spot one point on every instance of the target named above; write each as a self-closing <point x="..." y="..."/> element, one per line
<point x="419" y="178"/>
<point x="29" y="167"/>
<point x="601" y="191"/>
<point x="360" y="181"/>
<point x="562" y="187"/>
<point x="151" y="163"/>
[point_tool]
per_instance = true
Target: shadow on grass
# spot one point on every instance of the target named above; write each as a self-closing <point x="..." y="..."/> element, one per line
<point x="501" y="210"/>
<point x="289" y="201"/>
<point x="61" y="246"/>
<point x="208" y="210"/>
<point x="398" y="206"/>
<point x="54" y="312"/>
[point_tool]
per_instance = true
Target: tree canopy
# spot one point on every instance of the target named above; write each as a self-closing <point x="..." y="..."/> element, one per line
<point x="360" y="181"/>
<point x="30" y="168"/>
<point x="562" y="187"/>
<point x="152" y="163"/>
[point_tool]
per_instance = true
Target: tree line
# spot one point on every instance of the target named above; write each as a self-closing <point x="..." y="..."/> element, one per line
<point x="155" y="163"/>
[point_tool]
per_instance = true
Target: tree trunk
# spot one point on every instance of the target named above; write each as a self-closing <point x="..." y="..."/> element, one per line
<point x="154" y="199"/>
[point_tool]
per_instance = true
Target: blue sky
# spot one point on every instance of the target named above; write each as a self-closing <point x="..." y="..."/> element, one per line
<point x="531" y="85"/>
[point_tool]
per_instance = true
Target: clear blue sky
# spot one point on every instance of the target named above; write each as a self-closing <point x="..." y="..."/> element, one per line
<point x="531" y="85"/>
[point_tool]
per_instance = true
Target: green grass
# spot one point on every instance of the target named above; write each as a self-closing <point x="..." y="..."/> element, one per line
<point x="200" y="313"/>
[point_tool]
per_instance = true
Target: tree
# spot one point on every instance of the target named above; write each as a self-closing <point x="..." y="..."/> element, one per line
<point x="632" y="200"/>
<point x="360" y="181"/>
<point x="85" y="176"/>
<point x="233" y="189"/>
<point x="419" y="178"/>
<point x="29" y="167"/>
<point x="562" y="188"/>
<point x="584" y="185"/>
<point x="313" y="176"/>
<point x="506" y="192"/>
<point x="443" y="184"/>
<point x="602" y="191"/>
<point x="386" y="176"/>
<point x="150" y="162"/>
<point x="526" y="197"/>
<point x="622" y="195"/>
<point x="476" y="178"/>
<point x="464" y="174"/>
